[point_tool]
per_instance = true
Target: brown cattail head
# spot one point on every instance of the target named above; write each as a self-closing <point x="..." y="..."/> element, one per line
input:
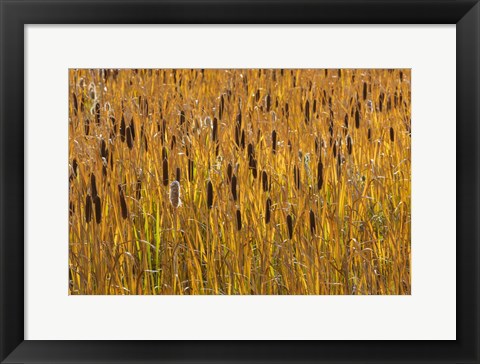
<point x="312" y="222"/>
<point x="392" y="135"/>
<point x="296" y="176"/>
<point x="239" y="220"/>
<point x="290" y="226"/>
<point x="265" y="181"/>
<point x="175" y="194"/>
<point x="369" y="134"/>
<point x="103" y="149"/>
<point x="88" y="209"/>
<point x="357" y="118"/>
<point x="98" y="209"/>
<point x="209" y="194"/>
<point x="307" y="112"/>
<point x="190" y="170"/>
<point x="74" y="167"/>
<point x="229" y="172"/>
<point x="122" y="129"/>
<point x="267" y="210"/>
<point x="214" y="129"/>
<point x="320" y="175"/>
<point x="234" y="187"/>
<point x="93" y="184"/>
<point x="123" y="204"/>
<point x="274" y="142"/>
<point x="165" y="172"/>
<point x="178" y="174"/>
<point x="349" y="144"/>
<point x="182" y="117"/>
<point x="129" y="138"/>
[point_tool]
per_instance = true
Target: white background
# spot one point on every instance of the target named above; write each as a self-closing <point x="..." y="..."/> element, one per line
<point x="429" y="313"/>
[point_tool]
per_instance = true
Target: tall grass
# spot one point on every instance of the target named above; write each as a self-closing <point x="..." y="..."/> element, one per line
<point x="288" y="181"/>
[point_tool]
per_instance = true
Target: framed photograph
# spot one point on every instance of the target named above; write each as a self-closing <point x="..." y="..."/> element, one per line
<point x="239" y="181"/>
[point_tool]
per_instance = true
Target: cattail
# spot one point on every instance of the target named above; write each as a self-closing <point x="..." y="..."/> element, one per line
<point x="369" y="134"/>
<point x="123" y="204"/>
<point x="74" y="167"/>
<point x="312" y="222"/>
<point x="214" y="129"/>
<point x="257" y="95"/>
<point x="242" y="141"/>
<point x="320" y="175"/>
<point x="175" y="194"/>
<point x="174" y="142"/>
<point x="250" y="152"/>
<point x="239" y="220"/>
<point x="349" y="144"/>
<point x="392" y="135"/>
<point x="209" y="194"/>
<point x="165" y="172"/>
<point x="129" y="138"/>
<point x="229" y="172"/>
<point x="314" y="107"/>
<point x="190" y="170"/>
<point x="296" y="176"/>
<point x="98" y="209"/>
<point x="93" y="185"/>
<point x="274" y="142"/>
<point x="234" y="187"/>
<point x="88" y="209"/>
<point x="267" y="102"/>
<point x="290" y="226"/>
<point x="103" y="149"/>
<point x="364" y="91"/>
<point x="253" y="167"/>
<point x="182" y="117"/>
<point x="265" y="181"/>
<point x="178" y="174"/>
<point x="267" y="210"/>
<point x="334" y="149"/>
<point x="307" y="112"/>
<point x="123" y="130"/>
<point x="75" y="104"/>
<point x="357" y="118"/>
<point x="97" y="113"/>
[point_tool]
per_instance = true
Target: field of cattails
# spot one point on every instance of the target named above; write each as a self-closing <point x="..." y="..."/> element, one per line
<point x="237" y="181"/>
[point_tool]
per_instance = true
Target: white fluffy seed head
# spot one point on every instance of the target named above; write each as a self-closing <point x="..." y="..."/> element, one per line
<point x="175" y="194"/>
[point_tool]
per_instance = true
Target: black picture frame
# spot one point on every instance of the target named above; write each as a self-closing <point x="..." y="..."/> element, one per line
<point x="16" y="14"/>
